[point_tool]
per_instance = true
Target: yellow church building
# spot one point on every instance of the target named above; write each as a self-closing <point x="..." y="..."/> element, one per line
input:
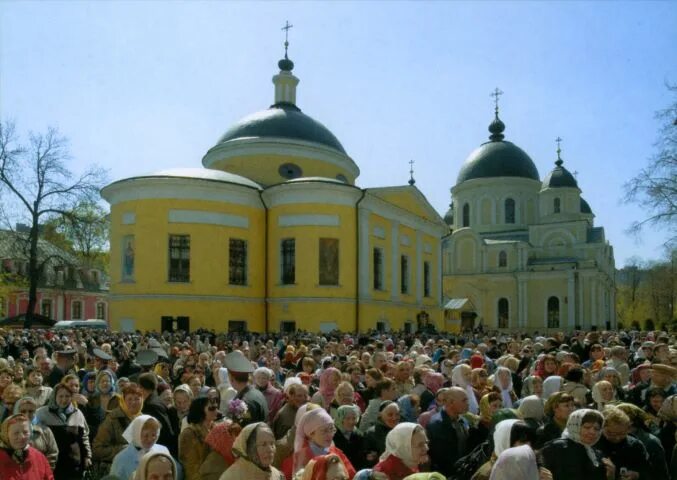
<point x="524" y="253"/>
<point x="273" y="235"/>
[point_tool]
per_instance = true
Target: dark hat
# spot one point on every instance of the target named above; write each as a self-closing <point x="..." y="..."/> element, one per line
<point x="66" y="353"/>
<point x="146" y="358"/>
<point x="236" y="362"/>
<point x="98" y="353"/>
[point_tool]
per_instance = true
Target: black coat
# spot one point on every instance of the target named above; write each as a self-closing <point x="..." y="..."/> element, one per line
<point x="549" y="431"/>
<point x="629" y="453"/>
<point x="375" y="439"/>
<point x="353" y="447"/>
<point x="154" y="407"/>
<point x="568" y="460"/>
<point x="445" y="445"/>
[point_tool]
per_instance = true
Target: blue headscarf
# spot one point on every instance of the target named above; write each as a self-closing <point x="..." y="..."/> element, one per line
<point x="407" y="409"/>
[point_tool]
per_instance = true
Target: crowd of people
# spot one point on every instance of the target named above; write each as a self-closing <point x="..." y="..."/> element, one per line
<point x="85" y="404"/>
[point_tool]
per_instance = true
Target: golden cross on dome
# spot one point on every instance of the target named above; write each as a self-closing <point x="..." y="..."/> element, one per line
<point x="496" y="93"/>
<point x="286" y="28"/>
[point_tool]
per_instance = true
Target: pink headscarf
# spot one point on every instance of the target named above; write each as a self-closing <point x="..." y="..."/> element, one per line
<point x="310" y="421"/>
<point x="327" y="390"/>
<point x="433" y="381"/>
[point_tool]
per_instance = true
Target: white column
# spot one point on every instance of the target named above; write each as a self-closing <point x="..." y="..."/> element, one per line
<point x="584" y="322"/>
<point x="522" y="302"/>
<point x="593" y="302"/>
<point x="601" y="306"/>
<point x="571" y="299"/>
<point x="419" y="267"/>
<point x="395" y="260"/>
<point x="612" y="307"/>
<point x="365" y="254"/>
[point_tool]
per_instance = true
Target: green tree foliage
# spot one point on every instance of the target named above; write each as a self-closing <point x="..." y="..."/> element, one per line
<point x="36" y="187"/>
<point x="654" y="188"/>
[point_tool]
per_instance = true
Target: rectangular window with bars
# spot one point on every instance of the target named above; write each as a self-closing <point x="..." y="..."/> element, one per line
<point x="378" y="269"/>
<point x="329" y="261"/>
<point x="237" y="262"/>
<point x="46" y="308"/>
<point x="179" y="258"/>
<point x="404" y="274"/>
<point x="427" y="290"/>
<point x="101" y="311"/>
<point x="76" y="310"/>
<point x="288" y="261"/>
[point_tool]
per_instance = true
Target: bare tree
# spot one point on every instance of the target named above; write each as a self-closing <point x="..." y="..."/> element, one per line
<point x="655" y="186"/>
<point x="36" y="182"/>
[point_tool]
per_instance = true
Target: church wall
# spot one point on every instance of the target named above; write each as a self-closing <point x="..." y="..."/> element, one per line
<point x="542" y="286"/>
<point x="264" y="169"/>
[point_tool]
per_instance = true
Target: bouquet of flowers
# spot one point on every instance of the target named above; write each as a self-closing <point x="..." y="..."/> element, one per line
<point x="238" y="411"/>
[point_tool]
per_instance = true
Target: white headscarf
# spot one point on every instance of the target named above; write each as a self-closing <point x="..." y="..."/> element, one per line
<point x="518" y="463"/>
<point x="531" y="407"/>
<point x="551" y="385"/>
<point x="573" y="430"/>
<point x="133" y="431"/>
<point x="141" y="470"/>
<point x="398" y="443"/>
<point x="223" y="377"/>
<point x="502" y="435"/>
<point x="458" y="380"/>
<point x="505" y="392"/>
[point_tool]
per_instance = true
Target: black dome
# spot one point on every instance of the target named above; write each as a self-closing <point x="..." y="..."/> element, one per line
<point x="585" y="207"/>
<point x="282" y="121"/>
<point x="560" y="177"/>
<point x="498" y="159"/>
<point x="449" y="216"/>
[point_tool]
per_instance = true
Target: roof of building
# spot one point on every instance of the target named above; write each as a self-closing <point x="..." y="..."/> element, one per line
<point x="497" y="158"/>
<point x="585" y="207"/>
<point x="560" y="177"/>
<point x="282" y="120"/>
<point x="203" y="174"/>
<point x="449" y="216"/>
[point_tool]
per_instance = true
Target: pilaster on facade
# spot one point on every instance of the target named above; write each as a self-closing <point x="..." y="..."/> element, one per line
<point x="419" y="267"/>
<point x="571" y="299"/>
<point x="395" y="260"/>
<point x="364" y="253"/>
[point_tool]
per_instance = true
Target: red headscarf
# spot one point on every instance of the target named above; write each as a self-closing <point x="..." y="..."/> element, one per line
<point x="317" y="467"/>
<point x="221" y="438"/>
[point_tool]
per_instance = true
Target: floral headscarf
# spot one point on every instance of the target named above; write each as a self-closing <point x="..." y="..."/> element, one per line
<point x="573" y="430"/>
<point x="398" y="443"/>
<point x="342" y="412"/>
<point x="17" y="455"/>
<point x="62" y="413"/>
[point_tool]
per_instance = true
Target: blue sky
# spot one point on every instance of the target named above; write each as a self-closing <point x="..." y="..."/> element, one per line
<point x="142" y="86"/>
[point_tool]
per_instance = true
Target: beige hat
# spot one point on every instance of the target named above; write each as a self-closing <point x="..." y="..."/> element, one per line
<point x="668" y="370"/>
<point x="236" y="362"/>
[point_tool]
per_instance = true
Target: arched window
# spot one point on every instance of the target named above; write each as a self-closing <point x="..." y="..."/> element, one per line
<point x="553" y="312"/>
<point x="466" y="215"/>
<point x="502" y="259"/>
<point x="503" y="313"/>
<point x="556" y="205"/>
<point x="509" y="210"/>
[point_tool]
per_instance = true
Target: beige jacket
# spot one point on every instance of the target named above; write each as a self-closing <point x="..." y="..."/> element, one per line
<point x="245" y="470"/>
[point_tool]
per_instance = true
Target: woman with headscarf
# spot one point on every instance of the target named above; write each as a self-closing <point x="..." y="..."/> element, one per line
<point x="489" y="404"/>
<point x="97" y="406"/>
<point x="460" y="377"/>
<point x="285" y="445"/>
<point x="141" y="435"/>
<point x="110" y="440"/>
<point x="155" y="465"/>
<point x="532" y="385"/>
<point x="551" y="385"/>
<point x="503" y="383"/>
<point x="531" y="410"/>
<point x="325" y="467"/>
<point x="433" y="381"/>
<point x="375" y="436"/>
<point x="192" y="447"/>
<point x="501" y="441"/>
<point x="329" y="381"/>
<point x="347" y="438"/>
<point x="479" y="379"/>
<point x="406" y="448"/>
<point x="410" y="407"/>
<point x="254" y="449"/>
<point x="517" y="463"/>
<point x="70" y="430"/>
<point x="603" y="394"/>
<point x="220" y="440"/>
<point x="41" y="438"/>
<point x="573" y="456"/>
<point x="314" y="437"/>
<point x="18" y="459"/>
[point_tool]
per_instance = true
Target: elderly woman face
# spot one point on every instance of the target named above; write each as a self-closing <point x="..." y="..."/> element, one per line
<point x="159" y="468"/>
<point x="265" y="446"/>
<point x="391" y="415"/>
<point x="324" y="435"/>
<point x="261" y="379"/>
<point x="607" y="392"/>
<point x="104" y="383"/>
<point x="504" y="378"/>
<point x="349" y="421"/>
<point x="28" y="409"/>
<point x="419" y="446"/>
<point x="19" y="433"/>
<point x="590" y="432"/>
<point x="345" y="396"/>
<point x="537" y="386"/>
<point x="167" y="397"/>
<point x="133" y="402"/>
<point x="11" y="394"/>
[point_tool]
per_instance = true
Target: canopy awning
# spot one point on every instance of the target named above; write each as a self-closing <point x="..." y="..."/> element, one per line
<point x="459" y="304"/>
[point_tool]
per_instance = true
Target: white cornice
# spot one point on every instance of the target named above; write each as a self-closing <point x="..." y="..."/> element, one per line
<point x="255" y="146"/>
<point x="311" y="192"/>
<point x="501" y="183"/>
<point x="152" y="188"/>
<point x="390" y="211"/>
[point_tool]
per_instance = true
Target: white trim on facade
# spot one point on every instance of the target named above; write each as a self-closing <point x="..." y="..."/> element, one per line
<point x="207" y="218"/>
<point x="309" y="220"/>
